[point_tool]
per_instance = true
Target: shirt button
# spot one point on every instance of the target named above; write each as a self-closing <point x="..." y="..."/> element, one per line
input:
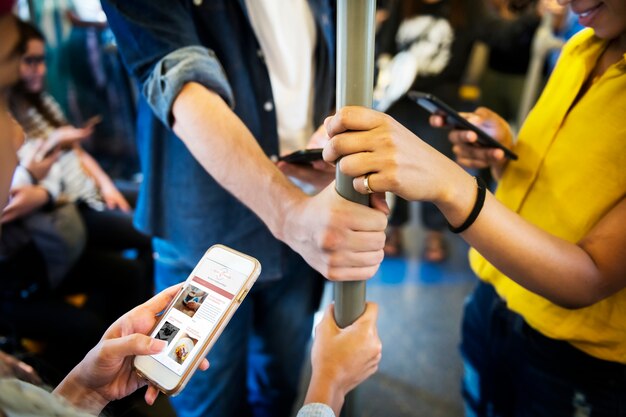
<point x="259" y="53"/>
<point x="268" y="106"/>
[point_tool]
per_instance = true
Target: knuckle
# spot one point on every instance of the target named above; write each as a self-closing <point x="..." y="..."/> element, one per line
<point x="334" y="274"/>
<point x="369" y="272"/>
<point x="342" y="115"/>
<point x="330" y="241"/>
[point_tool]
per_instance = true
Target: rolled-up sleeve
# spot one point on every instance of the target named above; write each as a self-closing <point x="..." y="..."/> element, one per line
<point x="316" y="410"/>
<point x="172" y="72"/>
<point x="161" y="50"/>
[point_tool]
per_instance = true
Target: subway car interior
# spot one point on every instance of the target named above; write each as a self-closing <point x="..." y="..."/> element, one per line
<point x="414" y="203"/>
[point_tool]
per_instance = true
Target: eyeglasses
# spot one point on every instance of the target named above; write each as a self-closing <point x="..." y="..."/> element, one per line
<point x="34" y="60"/>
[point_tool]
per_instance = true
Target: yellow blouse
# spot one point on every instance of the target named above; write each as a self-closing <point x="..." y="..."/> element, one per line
<point x="571" y="172"/>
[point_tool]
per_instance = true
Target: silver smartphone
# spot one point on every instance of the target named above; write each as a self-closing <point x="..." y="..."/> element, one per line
<point x="197" y="316"/>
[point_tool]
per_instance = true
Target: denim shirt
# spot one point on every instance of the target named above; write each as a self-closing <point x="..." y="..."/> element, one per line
<point x="167" y="43"/>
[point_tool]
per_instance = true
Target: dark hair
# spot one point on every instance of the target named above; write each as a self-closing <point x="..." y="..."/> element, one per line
<point x="458" y="11"/>
<point x="21" y="99"/>
<point x="521" y="5"/>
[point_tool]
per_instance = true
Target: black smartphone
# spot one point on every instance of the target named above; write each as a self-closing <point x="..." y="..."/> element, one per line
<point x="453" y="118"/>
<point x="303" y="156"/>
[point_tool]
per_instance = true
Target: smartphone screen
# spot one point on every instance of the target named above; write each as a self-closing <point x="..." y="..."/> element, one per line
<point x="196" y="312"/>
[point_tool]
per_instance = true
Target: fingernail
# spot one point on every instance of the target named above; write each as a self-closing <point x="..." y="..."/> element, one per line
<point x="157" y="345"/>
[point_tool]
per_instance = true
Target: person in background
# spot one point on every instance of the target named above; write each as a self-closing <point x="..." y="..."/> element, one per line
<point x="33" y="301"/>
<point x="543" y="332"/>
<point x="225" y="86"/>
<point x="75" y="176"/>
<point x="424" y="45"/>
<point x="9" y="74"/>
<point x="86" y="77"/>
<point x="341" y="358"/>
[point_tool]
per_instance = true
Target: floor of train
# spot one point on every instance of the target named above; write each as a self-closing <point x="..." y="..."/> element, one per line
<point x="419" y="320"/>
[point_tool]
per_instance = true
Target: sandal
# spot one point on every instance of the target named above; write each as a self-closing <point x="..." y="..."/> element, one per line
<point x="435" y="247"/>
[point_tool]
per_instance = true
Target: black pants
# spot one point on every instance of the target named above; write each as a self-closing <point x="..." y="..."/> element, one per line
<point x="512" y="370"/>
<point x="112" y="284"/>
<point x="113" y="231"/>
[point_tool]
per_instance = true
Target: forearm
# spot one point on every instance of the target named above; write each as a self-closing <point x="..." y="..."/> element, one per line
<point x="8" y="158"/>
<point x="226" y="149"/>
<point x="561" y="271"/>
<point x="8" y="162"/>
<point x="79" y="396"/>
<point x="322" y="391"/>
<point x="94" y="169"/>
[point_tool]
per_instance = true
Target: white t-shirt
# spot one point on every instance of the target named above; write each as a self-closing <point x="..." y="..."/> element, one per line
<point x="287" y="35"/>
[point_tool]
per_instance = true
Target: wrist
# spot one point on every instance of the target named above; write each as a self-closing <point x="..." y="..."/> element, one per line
<point x="322" y="389"/>
<point x="458" y="200"/>
<point x="106" y="184"/>
<point x="79" y="396"/>
<point x="33" y="179"/>
<point x="285" y="218"/>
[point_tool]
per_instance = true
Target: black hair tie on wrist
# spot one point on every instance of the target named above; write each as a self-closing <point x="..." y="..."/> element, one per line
<point x="478" y="205"/>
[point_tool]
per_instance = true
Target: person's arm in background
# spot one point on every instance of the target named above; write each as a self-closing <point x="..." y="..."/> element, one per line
<point x="341" y="359"/>
<point x="10" y="367"/>
<point x="112" y="197"/>
<point x="24" y="201"/>
<point x="188" y="90"/>
<point x="571" y="275"/>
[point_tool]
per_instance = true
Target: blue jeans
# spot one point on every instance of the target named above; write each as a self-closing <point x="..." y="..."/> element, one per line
<point x="256" y="363"/>
<point x="512" y="370"/>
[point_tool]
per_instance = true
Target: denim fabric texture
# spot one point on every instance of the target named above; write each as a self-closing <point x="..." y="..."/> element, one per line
<point x="511" y="370"/>
<point x="191" y="63"/>
<point x="262" y="347"/>
<point x="255" y="365"/>
<point x="165" y="44"/>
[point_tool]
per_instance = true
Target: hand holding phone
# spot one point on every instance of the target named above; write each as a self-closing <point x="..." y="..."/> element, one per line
<point x="197" y="316"/>
<point x="309" y="167"/>
<point x="303" y="156"/>
<point x="453" y="118"/>
<point x="66" y="136"/>
<point x="106" y="373"/>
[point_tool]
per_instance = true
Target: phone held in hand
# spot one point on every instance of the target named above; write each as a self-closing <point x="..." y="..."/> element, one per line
<point x="197" y="316"/>
<point x="303" y="156"/>
<point x="435" y="106"/>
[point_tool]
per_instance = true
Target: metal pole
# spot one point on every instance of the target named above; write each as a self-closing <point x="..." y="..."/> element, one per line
<point x="543" y="42"/>
<point x="355" y="84"/>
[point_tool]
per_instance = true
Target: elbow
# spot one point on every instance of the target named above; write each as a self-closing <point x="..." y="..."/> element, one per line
<point x="574" y="304"/>
<point x="588" y="296"/>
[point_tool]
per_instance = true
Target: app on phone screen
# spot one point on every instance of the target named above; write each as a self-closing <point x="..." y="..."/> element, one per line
<point x="195" y="313"/>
